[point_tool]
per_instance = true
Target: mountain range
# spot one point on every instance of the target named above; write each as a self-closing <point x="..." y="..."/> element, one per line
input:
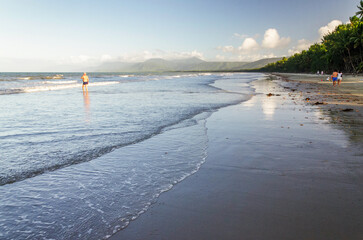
<point x="190" y="64"/>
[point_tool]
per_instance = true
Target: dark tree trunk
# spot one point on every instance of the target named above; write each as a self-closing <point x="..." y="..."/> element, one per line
<point x="350" y="59"/>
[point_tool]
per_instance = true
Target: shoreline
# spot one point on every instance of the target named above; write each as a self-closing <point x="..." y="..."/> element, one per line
<point x="343" y="103"/>
<point x="254" y="184"/>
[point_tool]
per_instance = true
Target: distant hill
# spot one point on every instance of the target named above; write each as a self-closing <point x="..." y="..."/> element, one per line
<point x="260" y="63"/>
<point x="190" y="64"/>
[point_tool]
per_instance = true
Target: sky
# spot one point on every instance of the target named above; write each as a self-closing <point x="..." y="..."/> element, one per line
<point x="50" y="35"/>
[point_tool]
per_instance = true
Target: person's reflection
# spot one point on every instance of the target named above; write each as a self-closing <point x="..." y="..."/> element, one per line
<point x="86" y="103"/>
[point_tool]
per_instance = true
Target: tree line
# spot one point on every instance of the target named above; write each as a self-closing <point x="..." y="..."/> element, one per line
<point x="341" y="50"/>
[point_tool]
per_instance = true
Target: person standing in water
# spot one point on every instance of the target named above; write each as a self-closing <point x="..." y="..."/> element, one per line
<point x="85" y="81"/>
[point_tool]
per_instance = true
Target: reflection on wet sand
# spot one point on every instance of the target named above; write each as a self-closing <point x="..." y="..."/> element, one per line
<point x="268" y="104"/>
<point x="86" y="103"/>
<point x="268" y="107"/>
<point x="250" y="103"/>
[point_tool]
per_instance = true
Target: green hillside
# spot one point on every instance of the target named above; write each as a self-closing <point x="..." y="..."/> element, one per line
<point x="259" y="64"/>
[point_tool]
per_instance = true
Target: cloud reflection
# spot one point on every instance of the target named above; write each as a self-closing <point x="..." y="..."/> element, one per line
<point x="269" y="107"/>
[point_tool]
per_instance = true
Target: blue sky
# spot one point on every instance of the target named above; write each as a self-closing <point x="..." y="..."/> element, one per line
<point x="77" y="33"/>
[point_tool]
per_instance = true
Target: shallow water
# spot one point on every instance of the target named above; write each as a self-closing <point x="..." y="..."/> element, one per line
<point x="77" y="165"/>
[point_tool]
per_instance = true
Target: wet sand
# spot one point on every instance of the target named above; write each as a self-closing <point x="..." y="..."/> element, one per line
<point x="344" y="103"/>
<point x="277" y="168"/>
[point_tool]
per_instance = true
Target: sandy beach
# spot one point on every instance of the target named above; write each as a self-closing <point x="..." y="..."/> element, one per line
<point x="344" y="103"/>
<point x="279" y="166"/>
<point x="181" y="120"/>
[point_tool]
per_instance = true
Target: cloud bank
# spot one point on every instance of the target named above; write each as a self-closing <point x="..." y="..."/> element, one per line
<point x="330" y="27"/>
<point x="302" y="45"/>
<point x="271" y="45"/>
<point x="249" y="44"/>
<point x="93" y="61"/>
<point x="251" y="49"/>
<point x="272" y="39"/>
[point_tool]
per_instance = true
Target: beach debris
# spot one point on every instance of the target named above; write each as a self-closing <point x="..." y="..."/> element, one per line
<point x="307" y="99"/>
<point x="278" y="95"/>
<point x="348" y="110"/>
<point x="318" y="103"/>
<point x="301" y="124"/>
<point x="270" y="94"/>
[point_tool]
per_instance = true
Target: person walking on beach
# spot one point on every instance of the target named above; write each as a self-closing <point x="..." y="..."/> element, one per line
<point x="334" y="77"/>
<point x="85" y="81"/>
<point x="340" y="77"/>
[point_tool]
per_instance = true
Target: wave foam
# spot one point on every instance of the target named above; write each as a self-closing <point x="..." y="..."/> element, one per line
<point x="60" y="87"/>
<point x="49" y="88"/>
<point x="103" y="83"/>
<point x="60" y="82"/>
<point x="126" y="76"/>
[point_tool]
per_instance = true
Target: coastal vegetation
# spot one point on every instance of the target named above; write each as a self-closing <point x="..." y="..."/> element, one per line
<point x="341" y="50"/>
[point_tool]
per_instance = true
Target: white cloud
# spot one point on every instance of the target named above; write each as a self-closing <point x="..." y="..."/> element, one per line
<point x="139" y="57"/>
<point x="226" y="48"/>
<point x="302" y="44"/>
<point x="249" y="44"/>
<point x="253" y="49"/>
<point x="220" y="58"/>
<point x="80" y="60"/>
<point x="107" y="58"/>
<point x="254" y="57"/>
<point x="243" y="57"/>
<point x="181" y="55"/>
<point x="92" y="61"/>
<point x="329" y="28"/>
<point x="272" y="39"/>
<point x="240" y="36"/>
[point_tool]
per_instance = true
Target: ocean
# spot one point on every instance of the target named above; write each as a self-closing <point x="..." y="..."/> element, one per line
<point x="82" y="165"/>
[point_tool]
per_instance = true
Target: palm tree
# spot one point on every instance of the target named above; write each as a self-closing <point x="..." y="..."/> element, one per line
<point x="360" y="12"/>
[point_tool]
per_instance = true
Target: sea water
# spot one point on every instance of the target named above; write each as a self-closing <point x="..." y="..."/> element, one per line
<point x="82" y="165"/>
